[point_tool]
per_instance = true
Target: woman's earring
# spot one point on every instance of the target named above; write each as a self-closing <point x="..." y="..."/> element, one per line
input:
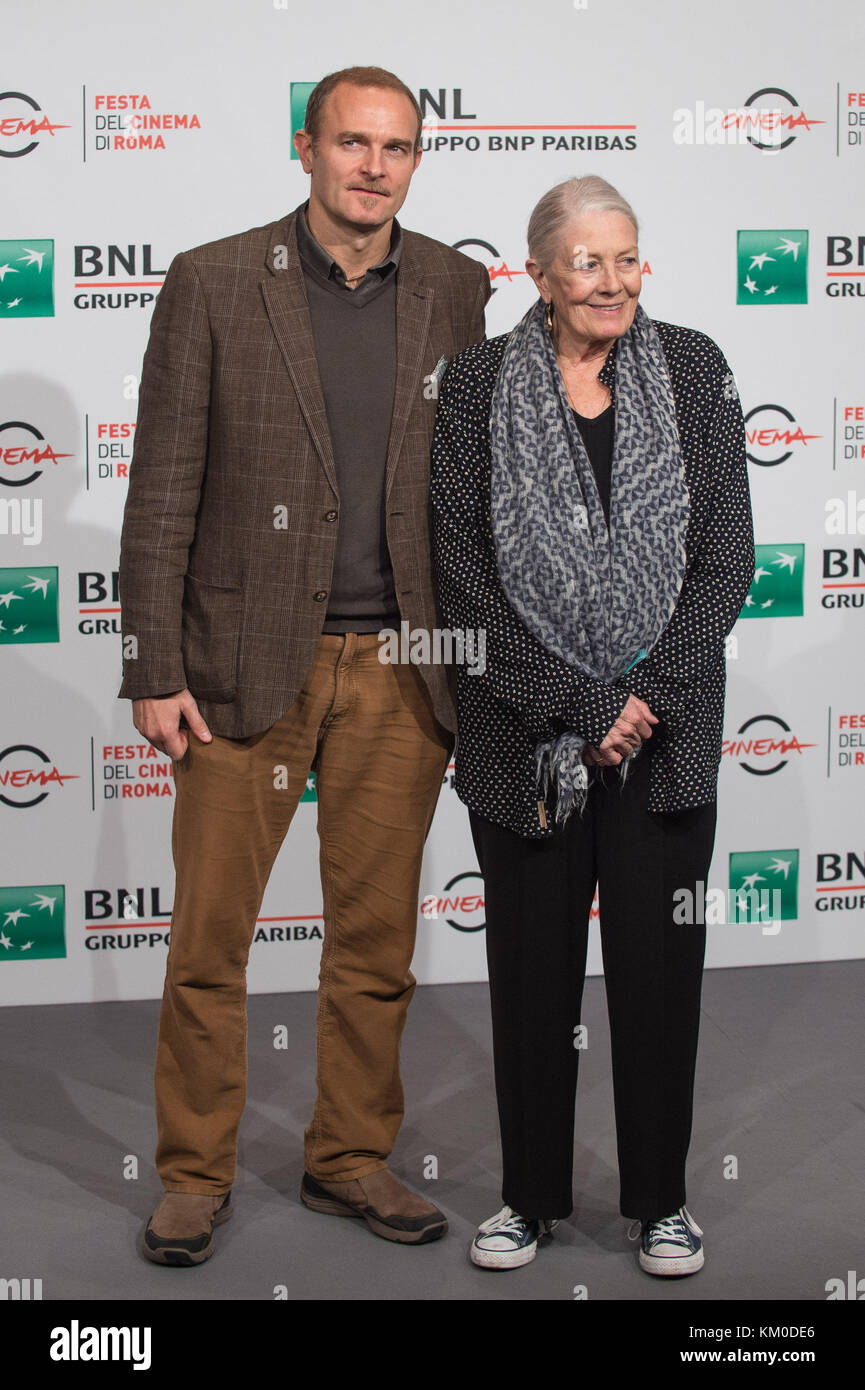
<point x="548" y="317"/>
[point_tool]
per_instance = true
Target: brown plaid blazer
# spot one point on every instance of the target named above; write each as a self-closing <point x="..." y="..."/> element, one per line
<point x="231" y="519"/>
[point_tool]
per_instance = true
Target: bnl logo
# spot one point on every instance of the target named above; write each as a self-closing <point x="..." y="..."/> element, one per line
<point x="764" y="885"/>
<point x="777" y="589"/>
<point x="300" y="95"/>
<point x="27" y="279"/>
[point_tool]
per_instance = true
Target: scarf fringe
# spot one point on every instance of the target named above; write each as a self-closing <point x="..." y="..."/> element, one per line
<point x="563" y="776"/>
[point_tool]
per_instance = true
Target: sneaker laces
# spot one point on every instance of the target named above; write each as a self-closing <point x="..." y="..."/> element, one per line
<point x="506" y="1222"/>
<point x="671" y="1230"/>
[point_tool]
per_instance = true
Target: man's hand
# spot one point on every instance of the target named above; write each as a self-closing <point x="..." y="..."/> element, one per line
<point x="632" y="727"/>
<point x="159" y="721"/>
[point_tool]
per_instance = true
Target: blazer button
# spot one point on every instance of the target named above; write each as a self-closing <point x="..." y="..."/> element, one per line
<point x="331" y="516"/>
<point x="320" y="595"/>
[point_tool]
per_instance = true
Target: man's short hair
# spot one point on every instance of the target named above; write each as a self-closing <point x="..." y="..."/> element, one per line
<point x="355" y="77"/>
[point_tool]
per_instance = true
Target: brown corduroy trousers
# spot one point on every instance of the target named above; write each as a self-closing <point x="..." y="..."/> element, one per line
<point x="379" y="755"/>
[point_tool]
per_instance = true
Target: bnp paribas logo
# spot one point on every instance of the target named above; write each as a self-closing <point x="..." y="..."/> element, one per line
<point x="33" y="922"/>
<point x="778" y="587"/>
<point x="772" y="267"/>
<point x="764" y="885"/>
<point x="309" y="792"/>
<point x="26" y="279"/>
<point x="28" y="605"/>
<point x="300" y="94"/>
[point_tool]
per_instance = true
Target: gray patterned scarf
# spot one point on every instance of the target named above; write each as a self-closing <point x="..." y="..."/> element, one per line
<point x="599" y="599"/>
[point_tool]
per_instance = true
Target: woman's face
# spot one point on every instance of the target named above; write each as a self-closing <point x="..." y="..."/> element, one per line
<point x="594" y="280"/>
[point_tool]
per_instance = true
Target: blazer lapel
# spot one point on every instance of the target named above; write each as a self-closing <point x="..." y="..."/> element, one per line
<point x="288" y="311"/>
<point x="414" y="302"/>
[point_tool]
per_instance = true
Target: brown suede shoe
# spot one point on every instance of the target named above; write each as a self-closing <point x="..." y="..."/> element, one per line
<point x="180" y="1231"/>
<point x="387" y="1206"/>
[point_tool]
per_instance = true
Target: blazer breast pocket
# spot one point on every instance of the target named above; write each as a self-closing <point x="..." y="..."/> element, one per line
<point x="211" y="638"/>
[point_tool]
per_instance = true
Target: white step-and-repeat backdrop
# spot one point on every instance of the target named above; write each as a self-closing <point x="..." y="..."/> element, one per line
<point x="128" y="133"/>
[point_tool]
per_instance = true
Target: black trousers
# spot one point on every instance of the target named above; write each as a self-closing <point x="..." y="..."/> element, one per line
<point x="538" y="898"/>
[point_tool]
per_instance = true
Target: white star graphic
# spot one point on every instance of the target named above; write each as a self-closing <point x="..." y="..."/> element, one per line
<point x="36" y="583"/>
<point x="12" y="303"/>
<point x="43" y="901"/>
<point x="33" y="257"/>
<point x="7" y="270"/>
<point x="768" y="603"/>
<point x="759" y="573"/>
<point x="27" y="945"/>
<point x="781" y="866"/>
<point x="771" y="289"/>
<point x="749" y="880"/>
<point x="750" y="285"/>
<point x="13" y="917"/>
<point x="16" y="631"/>
<point x="6" y="599"/>
<point x="760" y="261"/>
<point x="790" y="248"/>
<point x="786" y="561"/>
<point x="5" y="942"/>
<point x="749" y="601"/>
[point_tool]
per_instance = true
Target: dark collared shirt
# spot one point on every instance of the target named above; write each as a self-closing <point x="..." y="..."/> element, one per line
<point x="355" y="343"/>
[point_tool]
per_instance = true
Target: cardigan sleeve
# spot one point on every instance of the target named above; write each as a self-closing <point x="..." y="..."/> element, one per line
<point x="719" y="573"/>
<point x="542" y="690"/>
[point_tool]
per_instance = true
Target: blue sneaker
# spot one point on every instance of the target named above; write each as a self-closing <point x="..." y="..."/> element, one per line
<point x="673" y="1245"/>
<point x="507" y="1240"/>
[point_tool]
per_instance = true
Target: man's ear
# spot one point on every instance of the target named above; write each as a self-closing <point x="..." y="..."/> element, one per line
<point x="303" y="144"/>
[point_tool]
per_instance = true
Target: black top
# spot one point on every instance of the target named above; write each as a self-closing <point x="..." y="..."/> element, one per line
<point x="597" y="435"/>
<point x="355" y="347"/>
<point x="525" y="693"/>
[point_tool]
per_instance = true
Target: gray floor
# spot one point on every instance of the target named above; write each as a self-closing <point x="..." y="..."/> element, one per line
<point x="779" y="1088"/>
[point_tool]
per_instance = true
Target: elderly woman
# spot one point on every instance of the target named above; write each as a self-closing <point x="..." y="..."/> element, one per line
<point x="591" y="514"/>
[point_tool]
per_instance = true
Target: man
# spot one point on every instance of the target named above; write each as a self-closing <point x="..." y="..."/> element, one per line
<point x="277" y="520"/>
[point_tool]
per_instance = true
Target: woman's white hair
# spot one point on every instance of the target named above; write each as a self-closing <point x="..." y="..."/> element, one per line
<point x="565" y="204"/>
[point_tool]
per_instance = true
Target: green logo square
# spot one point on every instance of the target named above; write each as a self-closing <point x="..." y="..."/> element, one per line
<point x="300" y="94"/>
<point x="764" y="885"/>
<point x="33" y="922"/>
<point x="778" y="587"/>
<point x="26" y="279"/>
<point x="772" y="267"/>
<point x="28" y="605"/>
